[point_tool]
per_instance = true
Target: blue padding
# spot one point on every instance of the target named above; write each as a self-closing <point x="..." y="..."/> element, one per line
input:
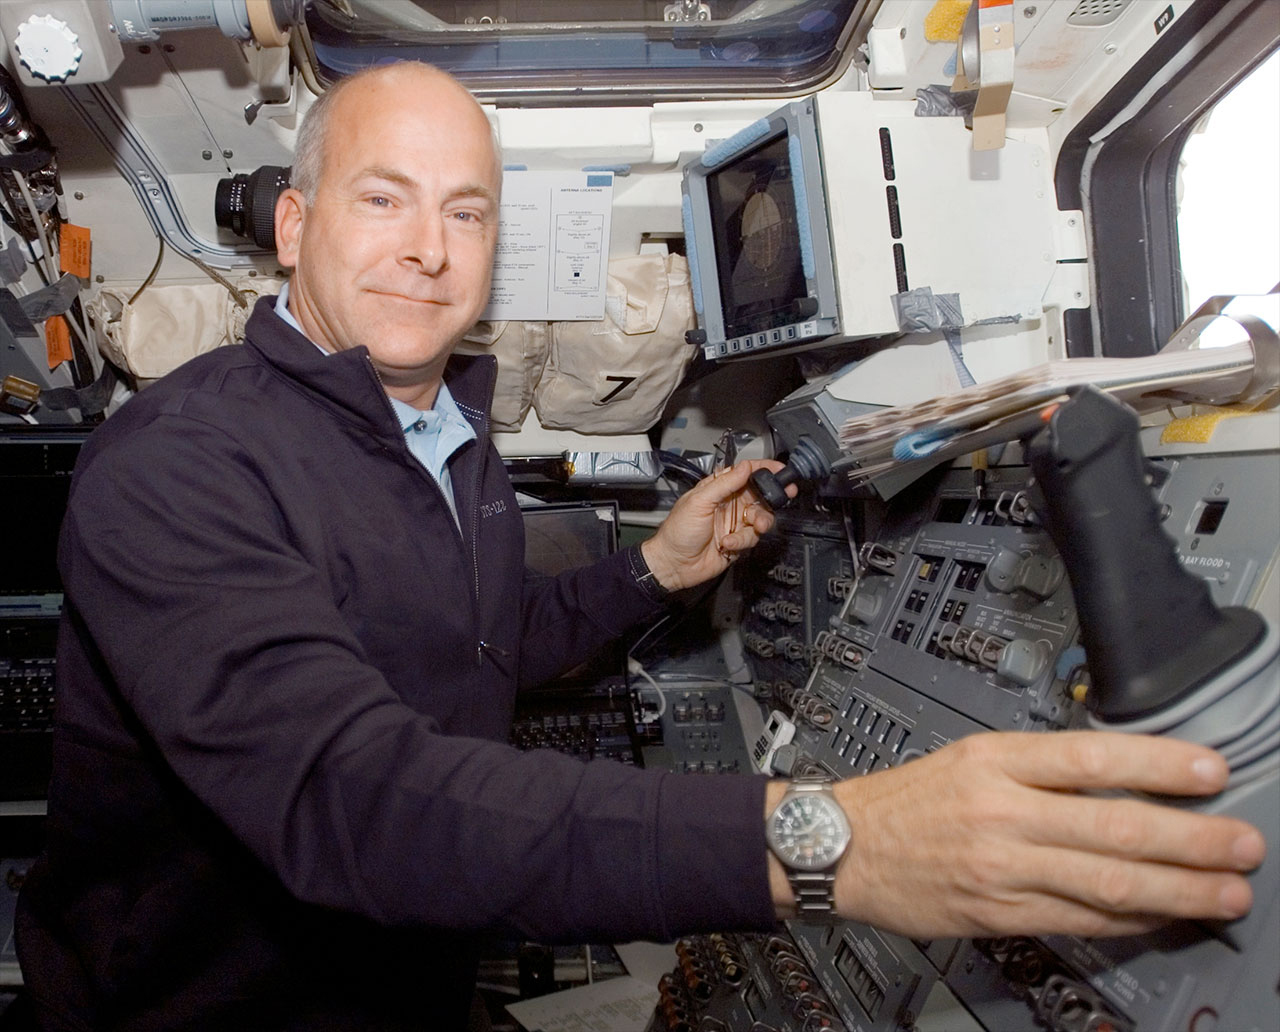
<point x="802" y="206"/>
<point x="739" y="141"/>
<point x="600" y="180"/>
<point x="1068" y="661"/>
<point x="691" y="253"/>
<point x="515" y="168"/>
<point x="919" y="444"/>
<point x="617" y="170"/>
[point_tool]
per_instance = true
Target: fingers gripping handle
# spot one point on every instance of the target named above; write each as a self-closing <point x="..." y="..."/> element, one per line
<point x="1151" y="630"/>
<point x="806" y="462"/>
<point x="771" y="487"/>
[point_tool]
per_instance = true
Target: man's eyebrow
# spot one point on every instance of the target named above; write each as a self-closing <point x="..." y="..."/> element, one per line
<point x="483" y="192"/>
<point x="392" y="175"/>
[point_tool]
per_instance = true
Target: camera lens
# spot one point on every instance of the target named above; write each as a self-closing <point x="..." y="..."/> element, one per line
<point x="246" y="203"/>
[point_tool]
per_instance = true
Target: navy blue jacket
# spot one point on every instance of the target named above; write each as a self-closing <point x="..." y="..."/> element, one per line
<point x="281" y="797"/>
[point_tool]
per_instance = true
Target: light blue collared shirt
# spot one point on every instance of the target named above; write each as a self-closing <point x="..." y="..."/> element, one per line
<point x="432" y="436"/>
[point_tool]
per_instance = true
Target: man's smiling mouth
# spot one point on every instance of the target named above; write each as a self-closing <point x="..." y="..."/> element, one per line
<point x="397" y="296"/>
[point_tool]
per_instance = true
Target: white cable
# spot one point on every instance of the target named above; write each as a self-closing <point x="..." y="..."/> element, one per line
<point x="852" y="541"/>
<point x="79" y="330"/>
<point x="634" y="667"/>
<point x="46" y="255"/>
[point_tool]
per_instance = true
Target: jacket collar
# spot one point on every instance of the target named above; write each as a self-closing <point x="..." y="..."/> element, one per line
<point x="347" y="383"/>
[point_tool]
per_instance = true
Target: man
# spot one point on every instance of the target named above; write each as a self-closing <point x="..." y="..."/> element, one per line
<point x="295" y="626"/>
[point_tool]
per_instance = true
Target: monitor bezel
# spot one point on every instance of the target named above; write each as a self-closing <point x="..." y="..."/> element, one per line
<point x="797" y="121"/>
<point x="547" y="509"/>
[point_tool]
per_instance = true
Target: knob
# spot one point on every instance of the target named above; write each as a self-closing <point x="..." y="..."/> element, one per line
<point x="1023" y="662"/>
<point x="48" y="46"/>
<point x="1036" y="575"/>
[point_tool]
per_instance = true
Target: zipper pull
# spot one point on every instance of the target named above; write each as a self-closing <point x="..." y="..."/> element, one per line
<point x="481" y="646"/>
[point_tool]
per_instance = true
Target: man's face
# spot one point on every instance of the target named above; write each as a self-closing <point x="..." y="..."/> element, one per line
<point x="396" y="250"/>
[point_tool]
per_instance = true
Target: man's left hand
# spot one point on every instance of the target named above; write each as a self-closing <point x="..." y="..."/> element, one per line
<point x="710" y="526"/>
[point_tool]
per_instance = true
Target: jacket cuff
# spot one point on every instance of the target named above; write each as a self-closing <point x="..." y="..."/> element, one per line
<point x="716" y="878"/>
<point x="644" y="578"/>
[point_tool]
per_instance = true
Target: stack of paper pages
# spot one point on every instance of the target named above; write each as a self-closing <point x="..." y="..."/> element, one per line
<point x="1010" y="406"/>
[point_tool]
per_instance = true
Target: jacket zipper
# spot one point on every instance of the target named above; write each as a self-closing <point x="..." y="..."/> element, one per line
<point x="481" y="438"/>
<point x="481" y="453"/>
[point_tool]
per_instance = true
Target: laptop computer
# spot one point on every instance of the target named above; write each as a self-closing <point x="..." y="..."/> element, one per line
<point x="35" y="478"/>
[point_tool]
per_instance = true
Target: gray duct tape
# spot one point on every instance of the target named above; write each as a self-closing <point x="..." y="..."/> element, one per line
<point x="923" y="311"/>
<point x="89" y="400"/>
<point x="942" y="102"/>
<point x="14" y="318"/>
<point x="12" y="264"/>
<point x="50" y="300"/>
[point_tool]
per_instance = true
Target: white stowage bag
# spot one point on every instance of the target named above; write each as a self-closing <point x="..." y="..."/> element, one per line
<point x="613" y="376"/>
<point x="616" y="375"/>
<point x="166" y="326"/>
<point x="521" y="350"/>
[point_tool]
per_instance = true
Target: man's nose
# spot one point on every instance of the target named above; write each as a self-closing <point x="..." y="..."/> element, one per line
<point x="424" y="245"/>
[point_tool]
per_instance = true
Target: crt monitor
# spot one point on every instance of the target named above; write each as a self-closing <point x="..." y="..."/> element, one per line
<point x="757" y="238"/>
<point x="847" y="216"/>
<point x="561" y="536"/>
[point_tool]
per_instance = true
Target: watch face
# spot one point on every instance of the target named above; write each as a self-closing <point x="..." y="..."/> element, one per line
<point x="808" y="831"/>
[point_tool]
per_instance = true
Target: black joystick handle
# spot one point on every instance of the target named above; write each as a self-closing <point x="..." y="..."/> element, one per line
<point x="806" y="462"/>
<point x="1151" y="630"/>
<point x="771" y="487"/>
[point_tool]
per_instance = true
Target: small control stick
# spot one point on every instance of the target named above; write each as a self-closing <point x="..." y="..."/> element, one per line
<point x="806" y="462"/>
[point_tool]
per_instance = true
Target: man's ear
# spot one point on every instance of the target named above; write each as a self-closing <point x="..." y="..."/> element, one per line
<point x="291" y="213"/>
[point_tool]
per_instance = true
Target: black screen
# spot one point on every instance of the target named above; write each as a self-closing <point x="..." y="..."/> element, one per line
<point x="558" y="538"/>
<point x="758" y="263"/>
<point x="35" y="479"/>
<point x="30" y="517"/>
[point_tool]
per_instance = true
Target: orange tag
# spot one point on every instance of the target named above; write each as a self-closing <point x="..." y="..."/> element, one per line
<point x="57" y="340"/>
<point x="73" y="247"/>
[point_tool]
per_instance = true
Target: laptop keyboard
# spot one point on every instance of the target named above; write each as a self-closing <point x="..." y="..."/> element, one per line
<point x="26" y="694"/>
<point x="588" y="735"/>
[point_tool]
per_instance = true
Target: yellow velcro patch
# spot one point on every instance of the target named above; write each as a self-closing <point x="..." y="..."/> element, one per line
<point x="1198" y="429"/>
<point x="943" y="23"/>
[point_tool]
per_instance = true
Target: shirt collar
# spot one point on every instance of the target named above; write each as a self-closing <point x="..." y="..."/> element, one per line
<point x="444" y="418"/>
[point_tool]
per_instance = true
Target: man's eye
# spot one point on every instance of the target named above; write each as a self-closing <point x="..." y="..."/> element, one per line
<point x="465" y="216"/>
<point x="380" y="202"/>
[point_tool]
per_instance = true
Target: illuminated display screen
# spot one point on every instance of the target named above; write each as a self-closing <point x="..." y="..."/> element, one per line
<point x="753" y="215"/>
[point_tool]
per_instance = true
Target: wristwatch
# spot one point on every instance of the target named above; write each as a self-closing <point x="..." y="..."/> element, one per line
<point x="809" y="833"/>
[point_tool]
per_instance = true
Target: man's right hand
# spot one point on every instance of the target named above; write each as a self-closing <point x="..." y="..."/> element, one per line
<point x="993" y="836"/>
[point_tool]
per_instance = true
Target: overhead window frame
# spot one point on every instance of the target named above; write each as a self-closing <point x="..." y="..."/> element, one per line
<point x="1126" y="182"/>
<point x="475" y="55"/>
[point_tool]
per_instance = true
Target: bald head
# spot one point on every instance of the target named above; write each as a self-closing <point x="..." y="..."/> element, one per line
<point x="391" y="226"/>
<point x="405" y="82"/>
